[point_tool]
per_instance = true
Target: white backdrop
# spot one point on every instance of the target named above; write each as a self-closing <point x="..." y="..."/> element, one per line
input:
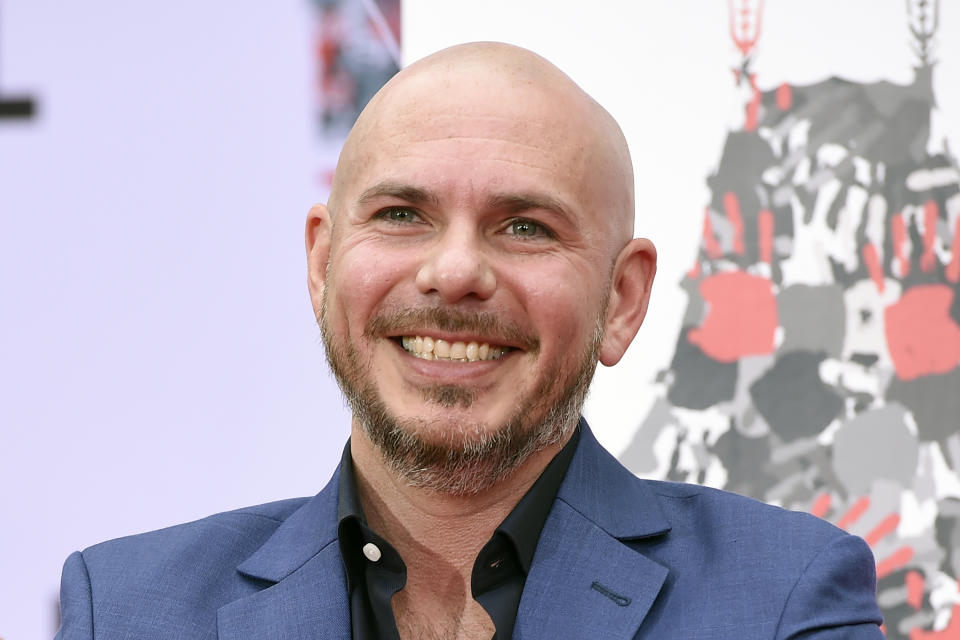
<point x="158" y="355"/>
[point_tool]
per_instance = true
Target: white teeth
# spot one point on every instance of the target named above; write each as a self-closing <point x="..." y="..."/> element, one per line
<point x="429" y="349"/>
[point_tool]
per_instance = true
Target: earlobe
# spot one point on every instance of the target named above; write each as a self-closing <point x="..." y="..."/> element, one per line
<point x="318" y="231"/>
<point x="630" y="289"/>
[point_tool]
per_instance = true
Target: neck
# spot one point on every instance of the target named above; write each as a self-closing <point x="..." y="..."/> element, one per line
<point x="438" y="534"/>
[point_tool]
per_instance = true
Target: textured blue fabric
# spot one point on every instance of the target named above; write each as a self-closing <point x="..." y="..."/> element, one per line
<point x="619" y="558"/>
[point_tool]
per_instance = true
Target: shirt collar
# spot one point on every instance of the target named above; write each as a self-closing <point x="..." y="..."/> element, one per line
<point x="348" y="501"/>
<point x="523" y="524"/>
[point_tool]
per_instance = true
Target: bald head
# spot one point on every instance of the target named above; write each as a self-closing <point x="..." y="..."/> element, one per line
<point x="513" y="92"/>
<point x="481" y="199"/>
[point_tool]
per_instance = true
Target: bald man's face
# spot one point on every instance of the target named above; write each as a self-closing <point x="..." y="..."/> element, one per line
<point x="470" y="262"/>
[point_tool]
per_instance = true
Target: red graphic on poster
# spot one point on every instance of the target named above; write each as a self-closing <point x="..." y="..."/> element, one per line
<point x="741" y="317"/>
<point x="822" y="334"/>
<point x="922" y="336"/>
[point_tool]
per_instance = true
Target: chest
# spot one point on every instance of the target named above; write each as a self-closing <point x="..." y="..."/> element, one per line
<point x="441" y="621"/>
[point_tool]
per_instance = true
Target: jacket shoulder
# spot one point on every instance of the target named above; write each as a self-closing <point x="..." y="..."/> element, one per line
<point x="173" y="579"/>
<point x="695" y="505"/>
<point x="220" y="533"/>
<point x="731" y="557"/>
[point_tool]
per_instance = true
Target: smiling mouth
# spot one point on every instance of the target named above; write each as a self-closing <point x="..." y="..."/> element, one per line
<point x="429" y="348"/>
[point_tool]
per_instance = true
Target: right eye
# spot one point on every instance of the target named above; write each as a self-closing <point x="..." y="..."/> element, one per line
<point x="398" y="215"/>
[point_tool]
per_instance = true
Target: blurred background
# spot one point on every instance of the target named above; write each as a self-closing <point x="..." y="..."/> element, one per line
<point x="159" y="360"/>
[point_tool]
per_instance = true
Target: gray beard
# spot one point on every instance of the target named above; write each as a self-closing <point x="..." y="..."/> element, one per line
<point x="470" y="457"/>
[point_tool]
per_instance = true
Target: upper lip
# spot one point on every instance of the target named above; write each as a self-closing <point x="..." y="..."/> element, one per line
<point x="452" y="326"/>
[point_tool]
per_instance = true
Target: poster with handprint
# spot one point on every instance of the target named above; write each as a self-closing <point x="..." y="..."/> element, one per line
<point x="818" y="366"/>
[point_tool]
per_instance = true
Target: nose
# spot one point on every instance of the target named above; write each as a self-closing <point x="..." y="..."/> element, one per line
<point x="456" y="267"/>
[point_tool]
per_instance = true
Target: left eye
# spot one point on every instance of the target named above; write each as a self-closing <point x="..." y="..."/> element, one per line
<point x="527" y="228"/>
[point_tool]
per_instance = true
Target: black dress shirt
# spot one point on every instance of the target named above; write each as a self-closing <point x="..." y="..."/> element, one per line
<point x="375" y="571"/>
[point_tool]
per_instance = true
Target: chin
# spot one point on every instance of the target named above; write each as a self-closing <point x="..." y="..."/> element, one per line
<point x="451" y="450"/>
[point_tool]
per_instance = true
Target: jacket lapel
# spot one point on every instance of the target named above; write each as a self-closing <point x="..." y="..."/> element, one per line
<point x="584" y="581"/>
<point x="304" y="594"/>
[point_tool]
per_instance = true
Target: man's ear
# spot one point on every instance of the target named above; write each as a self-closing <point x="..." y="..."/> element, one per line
<point x="319" y="228"/>
<point x="633" y="274"/>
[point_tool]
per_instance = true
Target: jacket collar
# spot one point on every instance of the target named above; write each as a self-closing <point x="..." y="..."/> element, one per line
<point x="583" y="580"/>
<point x="305" y="533"/>
<point x="308" y="598"/>
<point x="603" y="491"/>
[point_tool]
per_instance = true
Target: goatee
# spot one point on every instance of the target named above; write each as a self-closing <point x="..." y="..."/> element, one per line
<point x="460" y="457"/>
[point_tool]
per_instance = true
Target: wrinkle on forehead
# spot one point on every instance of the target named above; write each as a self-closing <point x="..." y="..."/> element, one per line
<point x="508" y="92"/>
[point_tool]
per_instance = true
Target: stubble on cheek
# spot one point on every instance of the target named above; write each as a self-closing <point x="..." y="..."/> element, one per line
<point x="459" y="457"/>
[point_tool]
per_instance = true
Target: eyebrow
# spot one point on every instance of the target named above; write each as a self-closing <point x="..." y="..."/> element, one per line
<point x="519" y="202"/>
<point x="409" y="193"/>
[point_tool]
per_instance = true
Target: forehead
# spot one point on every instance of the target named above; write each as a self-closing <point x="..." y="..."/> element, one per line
<point x="484" y="129"/>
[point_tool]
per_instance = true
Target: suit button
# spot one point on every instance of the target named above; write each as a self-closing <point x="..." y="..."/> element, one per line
<point x="372" y="552"/>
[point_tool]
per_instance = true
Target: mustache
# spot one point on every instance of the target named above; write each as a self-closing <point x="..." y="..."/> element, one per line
<point x="412" y="321"/>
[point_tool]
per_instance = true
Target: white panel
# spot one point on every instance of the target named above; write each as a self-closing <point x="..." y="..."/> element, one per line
<point x="664" y="70"/>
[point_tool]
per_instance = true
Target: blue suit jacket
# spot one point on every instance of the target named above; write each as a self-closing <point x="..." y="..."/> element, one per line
<point x="618" y="558"/>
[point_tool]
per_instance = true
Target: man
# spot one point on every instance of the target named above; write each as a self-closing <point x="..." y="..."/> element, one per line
<point x="475" y="261"/>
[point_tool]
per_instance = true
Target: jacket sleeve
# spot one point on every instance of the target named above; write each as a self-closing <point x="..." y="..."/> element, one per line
<point x="835" y="597"/>
<point x="76" y="602"/>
